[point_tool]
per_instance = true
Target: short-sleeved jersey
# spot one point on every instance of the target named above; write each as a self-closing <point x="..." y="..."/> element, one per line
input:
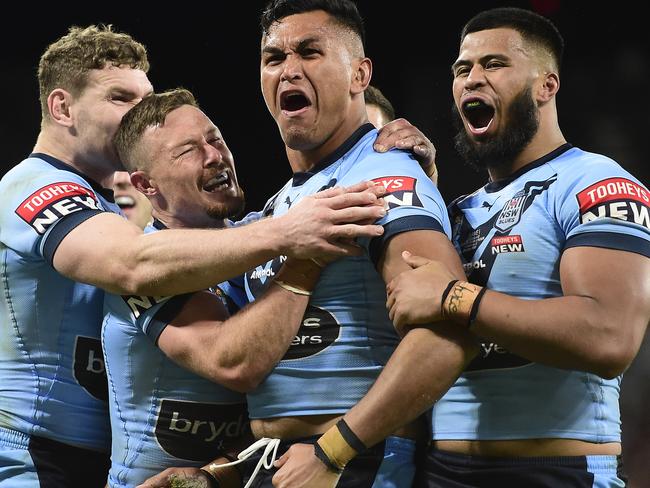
<point x="52" y="378"/>
<point x="346" y="336"/>
<point x="162" y="415"/>
<point x="511" y="235"/>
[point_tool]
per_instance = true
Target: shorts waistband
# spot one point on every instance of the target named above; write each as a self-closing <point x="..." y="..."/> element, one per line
<point x="601" y="462"/>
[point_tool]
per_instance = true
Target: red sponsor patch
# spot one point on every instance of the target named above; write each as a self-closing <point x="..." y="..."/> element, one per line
<point x="498" y="241"/>
<point x="42" y="198"/>
<point x="396" y="183"/>
<point x="612" y="189"/>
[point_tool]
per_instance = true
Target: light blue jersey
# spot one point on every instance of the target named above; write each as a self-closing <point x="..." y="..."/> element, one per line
<point x="346" y="336"/>
<point x="52" y="379"/>
<point x="511" y="235"/>
<point x="162" y="415"/>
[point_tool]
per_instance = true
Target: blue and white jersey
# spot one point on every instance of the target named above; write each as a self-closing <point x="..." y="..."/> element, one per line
<point x="346" y="336"/>
<point x="511" y="236"/>
<point x="52" y="378"/>
<point x="162" y="415"/>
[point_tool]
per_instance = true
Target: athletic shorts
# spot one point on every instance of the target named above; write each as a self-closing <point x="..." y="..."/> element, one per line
<point x="450" y="470"/>
<point x="389" y="464"/>
<point x="36" y="462"/>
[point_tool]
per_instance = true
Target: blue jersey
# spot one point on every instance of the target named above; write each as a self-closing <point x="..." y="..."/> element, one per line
<point x="162" y="415"/>
<point x="511" y="235"/>
<point x="346" y="336"/>
<point x="52" y="379"/>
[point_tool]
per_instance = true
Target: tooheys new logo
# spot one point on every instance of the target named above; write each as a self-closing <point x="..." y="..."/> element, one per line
<point x="89" y="368"/>
<point x="50" y="203"/>
<point x="617" y="198"/>
<point x="199" y="431"/>
<point x="400" y="191"/>
<point x="319" y="329"/>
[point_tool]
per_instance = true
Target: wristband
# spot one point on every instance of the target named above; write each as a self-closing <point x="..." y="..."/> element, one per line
<point x="460" y="301"/>
<point x="214" y="482"/>
<point x="292" y="289"/>
<point x="338" y="445"/>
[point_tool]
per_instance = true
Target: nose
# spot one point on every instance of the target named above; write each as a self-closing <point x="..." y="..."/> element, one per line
<point x="475" y="78"/>
<point x="292" y="68"/>
<point x="214" y="155"/>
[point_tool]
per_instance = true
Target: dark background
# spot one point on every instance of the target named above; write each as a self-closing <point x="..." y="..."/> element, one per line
<point x="213" y="49"/>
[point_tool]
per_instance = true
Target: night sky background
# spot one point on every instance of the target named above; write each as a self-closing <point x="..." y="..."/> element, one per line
<point x="213" y="50"/>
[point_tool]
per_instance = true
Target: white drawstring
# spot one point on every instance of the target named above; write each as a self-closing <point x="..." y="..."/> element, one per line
<point x="271" y="448"/>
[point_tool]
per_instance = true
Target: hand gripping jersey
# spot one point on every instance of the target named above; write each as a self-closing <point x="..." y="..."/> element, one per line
<point x="511" y="235"/>
<point x="52" y="379"/>
<point x="162" y="415"/>
<point x="346" y="336"/>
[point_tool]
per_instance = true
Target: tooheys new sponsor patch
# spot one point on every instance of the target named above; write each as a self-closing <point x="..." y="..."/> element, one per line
<point x="50" y="203"/>
<point x="617" y="198"/>
<point x="400" y="191"/>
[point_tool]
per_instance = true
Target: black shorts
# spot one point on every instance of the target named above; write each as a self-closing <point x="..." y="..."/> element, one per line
<point x="449" y="470"/>
<point x="386" y="464"/>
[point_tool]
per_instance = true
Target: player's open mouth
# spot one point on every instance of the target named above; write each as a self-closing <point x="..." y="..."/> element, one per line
<point x="479" y="115"/>
<point x="221" y="181"/>
<point x="125" y="201"/>
<point x="293" y="101"/>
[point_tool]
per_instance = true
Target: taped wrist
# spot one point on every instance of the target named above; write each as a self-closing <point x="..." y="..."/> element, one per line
<point x="336" y="447"/>
<point x="213" y="481"/>
<point x="460" y="301"/>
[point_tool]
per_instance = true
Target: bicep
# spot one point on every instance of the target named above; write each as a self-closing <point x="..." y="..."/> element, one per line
<point x="618" y="281"/>
<point x="426" y="243"/>
<point x="188" y="331"/>
<point x="97" y="251"/>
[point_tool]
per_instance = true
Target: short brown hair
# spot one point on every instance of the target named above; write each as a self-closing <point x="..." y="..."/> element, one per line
<point x="151" y="111"/>
<point x="67" y="61"/>
<point x="373" y="96"/>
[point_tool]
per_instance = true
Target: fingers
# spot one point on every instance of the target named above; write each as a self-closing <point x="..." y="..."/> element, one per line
<point x="358" y="214"/>
<point x="414" y="261"/>
<point x="281" y="460"/>
<point x="330" y="192"/>
<point x="387" y="134"/>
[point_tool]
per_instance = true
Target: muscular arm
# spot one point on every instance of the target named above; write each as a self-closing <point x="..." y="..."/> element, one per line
<point x="598" y="325"/>
<point x="426" y="362"/>
<point x="238" y="351"/>
<point x="111" y="253"/>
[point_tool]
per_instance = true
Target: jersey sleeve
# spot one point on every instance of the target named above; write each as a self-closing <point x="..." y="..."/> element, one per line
<point x="413" y="201"/>
<point x="602" y="205"/>
<point x="38" y="212"/>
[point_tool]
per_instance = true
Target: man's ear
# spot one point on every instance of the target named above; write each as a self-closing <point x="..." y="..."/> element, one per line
<point x="58" y="105"/>
<point x="549" y="87"/>
<point x="362" y="76"/>
<point x="143" y="184"/>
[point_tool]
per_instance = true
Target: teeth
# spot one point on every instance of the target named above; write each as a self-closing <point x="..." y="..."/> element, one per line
<point x="474" y="104"/>
<point x="220" y="180"/>
<point x="125" y="201"/>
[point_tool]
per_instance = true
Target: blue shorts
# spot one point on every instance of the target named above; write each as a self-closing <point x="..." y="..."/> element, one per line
<point x="389" y="464"/>
<point x="449" y="470"/>
<point x="36" y="462"/>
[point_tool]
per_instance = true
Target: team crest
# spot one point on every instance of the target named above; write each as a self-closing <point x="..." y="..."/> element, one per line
<point x="511" y="212"/>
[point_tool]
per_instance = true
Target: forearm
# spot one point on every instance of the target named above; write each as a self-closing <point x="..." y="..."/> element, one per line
<point x="571" y="332"/>
<point x="421" y="370"/>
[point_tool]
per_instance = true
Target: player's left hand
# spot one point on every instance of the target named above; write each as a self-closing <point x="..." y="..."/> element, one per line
<point x="300" y="468"/>
<point x="414" y="296"/>
<point x="401" y="134"/>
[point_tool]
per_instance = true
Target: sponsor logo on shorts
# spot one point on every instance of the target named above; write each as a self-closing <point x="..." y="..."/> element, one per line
<point x="400" y="191"/>
<point x="88" y="368"/>
<point x="199" y="431"/>
<point x="493" y="356"/>
<point x="616" y="198"/>
<point x="505" y="244"/>
<point x="319" y="330"/>
<point x="54" y="201"/>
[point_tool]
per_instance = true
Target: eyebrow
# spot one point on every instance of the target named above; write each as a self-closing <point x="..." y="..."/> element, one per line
<point x="300" y="46"/>
<point x="482" y="60"/>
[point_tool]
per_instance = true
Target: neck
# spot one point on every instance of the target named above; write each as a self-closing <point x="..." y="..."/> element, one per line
<point x="548" y="138"/>
<point x="64" y="149"/>
<point x="305" y="160"/>
<point x="174" y="221"/>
